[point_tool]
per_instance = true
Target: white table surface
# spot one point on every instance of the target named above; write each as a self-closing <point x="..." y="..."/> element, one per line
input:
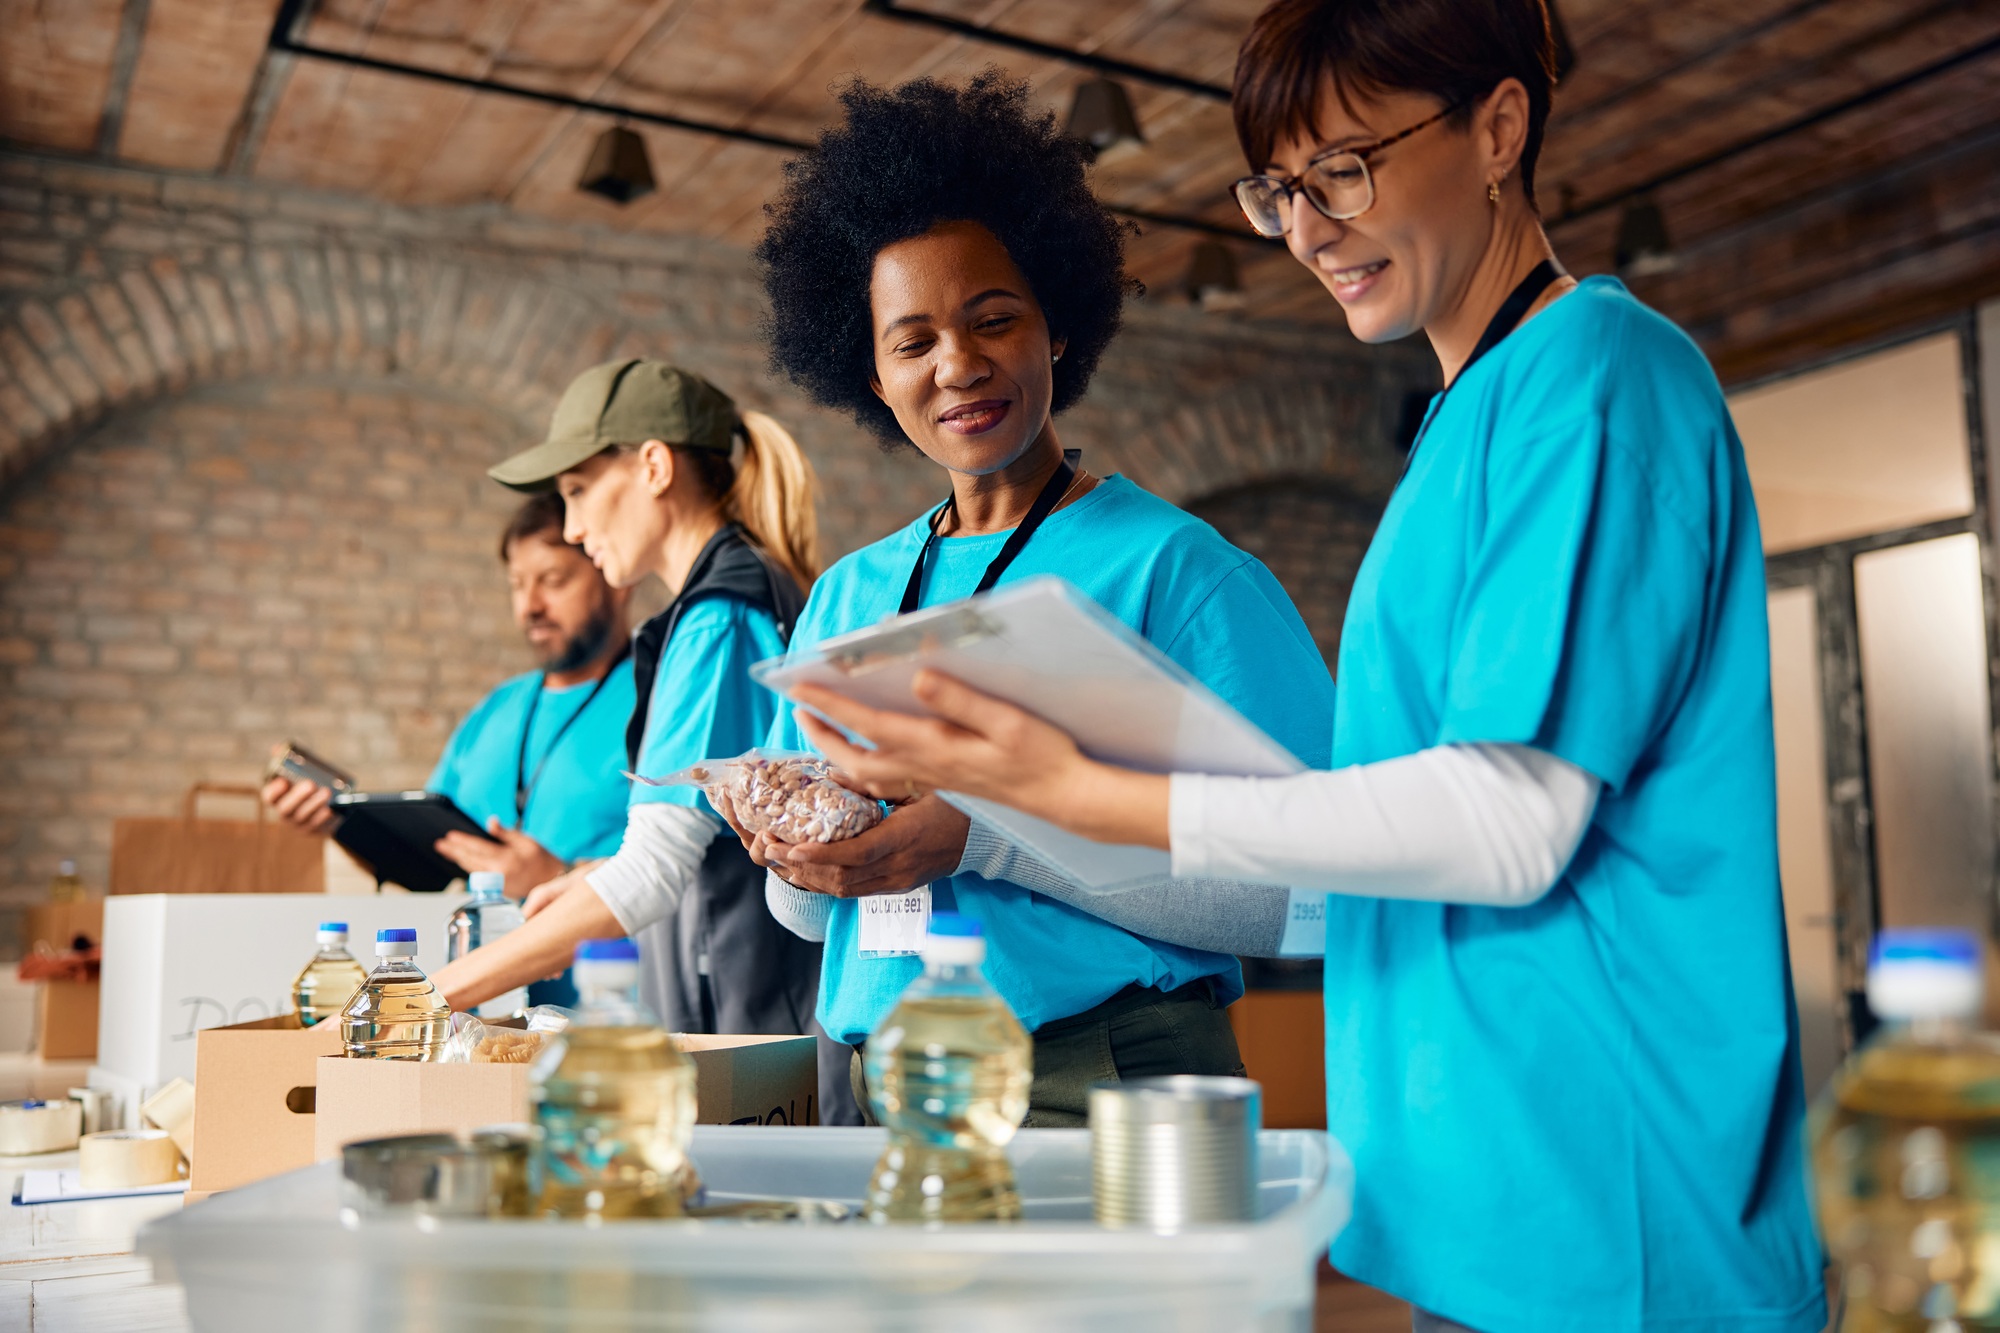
<point x="69" y="1267"/>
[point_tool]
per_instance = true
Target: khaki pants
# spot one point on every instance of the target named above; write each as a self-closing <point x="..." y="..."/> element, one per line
<point x="1138" y="1032"/>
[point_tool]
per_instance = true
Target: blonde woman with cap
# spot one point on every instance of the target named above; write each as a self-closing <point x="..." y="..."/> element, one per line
<point x="660" y="473"/>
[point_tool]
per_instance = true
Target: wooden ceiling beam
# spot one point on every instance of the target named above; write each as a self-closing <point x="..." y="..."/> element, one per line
<point x="1868" y="259"/>
<point x="124" y="63"/>
<point x="1773" y="134"/>
<point x="1120" y="69"/>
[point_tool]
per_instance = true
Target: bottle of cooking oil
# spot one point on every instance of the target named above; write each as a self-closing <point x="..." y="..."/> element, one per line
<point x="67" y="886"/>
<point x="398" y="1013"/>
<point x="329" y="980"/>
<point x="1906" y="1146"/>
<point x="948" y="1073"/>
<point x="614" y="1102"/>
<point x="487" y="915"/>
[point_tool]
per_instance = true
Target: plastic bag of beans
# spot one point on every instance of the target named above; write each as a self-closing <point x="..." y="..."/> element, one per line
<point x="793" y="797"/>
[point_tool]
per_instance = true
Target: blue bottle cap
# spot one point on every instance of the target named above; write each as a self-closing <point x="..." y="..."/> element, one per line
<point x="395" y="937"/>
<point x="340" y="926"/>
<point x="1927" y="945"/>
<point x="607" y="951"/>
<point x="955" y="924"/>
<point x="1925" y="974"/>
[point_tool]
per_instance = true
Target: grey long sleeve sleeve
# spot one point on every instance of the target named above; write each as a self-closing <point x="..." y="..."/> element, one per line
<point x="802" y="913"/>
<point x="1221" y="915"/>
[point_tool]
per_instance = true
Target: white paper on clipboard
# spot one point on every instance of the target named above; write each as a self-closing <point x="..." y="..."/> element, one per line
<point x="1047" y="647"/>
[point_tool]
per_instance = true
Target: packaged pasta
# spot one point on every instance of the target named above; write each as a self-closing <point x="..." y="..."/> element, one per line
<point x="475" y="1043"/>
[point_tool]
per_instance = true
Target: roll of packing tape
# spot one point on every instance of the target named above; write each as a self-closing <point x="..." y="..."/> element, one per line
<point x="36" y="1126"/>
<point x="123" y="1158"/>
<point x="172" y="1109"/>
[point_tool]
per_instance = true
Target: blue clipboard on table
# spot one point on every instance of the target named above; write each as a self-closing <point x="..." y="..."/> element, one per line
<point x="1047" y="647"/>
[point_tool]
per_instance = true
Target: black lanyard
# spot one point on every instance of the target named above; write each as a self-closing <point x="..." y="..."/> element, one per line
<point x="1053" y="491"/>
<point x="1505" y="320"/>
<point x="524" y="781"/>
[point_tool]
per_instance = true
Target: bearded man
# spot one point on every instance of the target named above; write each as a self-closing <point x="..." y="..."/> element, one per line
<point x="539" y="761"/>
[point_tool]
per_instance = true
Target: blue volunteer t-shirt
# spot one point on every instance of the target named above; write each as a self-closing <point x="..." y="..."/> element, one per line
<point x="705" y="706"/>
<point x="1581" y="1116"/>
<point x="576" y="805"/>
<point x="1210" y="607"/>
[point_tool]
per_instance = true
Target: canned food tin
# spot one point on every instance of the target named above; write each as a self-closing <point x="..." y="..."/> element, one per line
<point x="479" y="1174"/>
<point x="1174" y="1151"/>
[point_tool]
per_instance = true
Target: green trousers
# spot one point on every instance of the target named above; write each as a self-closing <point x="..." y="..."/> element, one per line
<point x="1138" y="1032"/>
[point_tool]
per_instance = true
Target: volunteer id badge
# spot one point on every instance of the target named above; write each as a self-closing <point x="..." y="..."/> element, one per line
<point x="893" y="925"/>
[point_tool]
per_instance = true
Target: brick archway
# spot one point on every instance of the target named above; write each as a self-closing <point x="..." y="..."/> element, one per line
<point x="72" y="354"/>
<point x="119" y="286"/>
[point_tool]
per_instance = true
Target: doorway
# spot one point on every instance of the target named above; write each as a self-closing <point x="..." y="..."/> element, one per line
<point x="1872" y="486"/>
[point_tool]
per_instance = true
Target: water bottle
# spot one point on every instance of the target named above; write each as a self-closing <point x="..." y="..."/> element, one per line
<point x="329" y="979"/>
<point x="948" y="1073"/>
<point x="398" y="1014"/>
<point x="1906" y="1146"/>
<point x="486" y="916"/>
<point x="67" y="886"/>
<point x="614" y="1102"/>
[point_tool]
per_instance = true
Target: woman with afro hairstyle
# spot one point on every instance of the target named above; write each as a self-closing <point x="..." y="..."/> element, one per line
<point x="940" y="270"/>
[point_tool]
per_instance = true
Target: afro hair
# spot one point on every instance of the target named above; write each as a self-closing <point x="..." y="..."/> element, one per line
<point x="904" y="160"/>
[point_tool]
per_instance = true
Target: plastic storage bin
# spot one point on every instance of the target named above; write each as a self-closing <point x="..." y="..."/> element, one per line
<point x="276" y="1255"/>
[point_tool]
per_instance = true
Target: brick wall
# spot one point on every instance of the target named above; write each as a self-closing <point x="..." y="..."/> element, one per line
<point x="1311" y="532"/>
<point x="242" y="430"/>
<point x="235" y="566"/>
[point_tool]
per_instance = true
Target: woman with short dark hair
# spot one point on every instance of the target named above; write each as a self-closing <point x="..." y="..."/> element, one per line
<point x="1560" y="1039"/>
<point x="940" y="270"/>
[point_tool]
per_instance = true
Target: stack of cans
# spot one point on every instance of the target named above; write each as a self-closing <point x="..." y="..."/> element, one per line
<point x="1167" y="1153"/>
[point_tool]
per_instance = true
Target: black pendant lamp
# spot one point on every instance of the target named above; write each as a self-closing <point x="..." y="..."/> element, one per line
<point x="1101" y="116"/>
<point x="618" y="168"/>
<point x="1213" y="280"/>
<point x="1643" y="249"/>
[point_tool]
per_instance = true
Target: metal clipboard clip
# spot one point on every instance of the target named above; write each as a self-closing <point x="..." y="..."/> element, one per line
<point x="872" y="649"/>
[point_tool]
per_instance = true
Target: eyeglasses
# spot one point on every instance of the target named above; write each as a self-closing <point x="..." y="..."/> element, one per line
<point x="1337" y="182"/>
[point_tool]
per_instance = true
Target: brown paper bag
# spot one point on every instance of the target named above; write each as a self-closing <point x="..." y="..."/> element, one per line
<point x="188" y="854"/>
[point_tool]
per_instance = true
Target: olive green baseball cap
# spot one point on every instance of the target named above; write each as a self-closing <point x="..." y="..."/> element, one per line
<point x="623" y="402"/>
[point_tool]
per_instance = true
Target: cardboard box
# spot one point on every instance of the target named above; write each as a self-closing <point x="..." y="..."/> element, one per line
<point x="68" y="1027"/>
<point x="177" y="963"/>
<point x="1282" y="1034"/>
<point x="754" y="1080"/>
<point x="58" y="924"/>
<point x="254" y="1100"/>
<point x="738" y="1081"/>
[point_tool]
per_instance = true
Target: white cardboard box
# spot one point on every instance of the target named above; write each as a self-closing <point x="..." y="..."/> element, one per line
<point x="175" y="963"/>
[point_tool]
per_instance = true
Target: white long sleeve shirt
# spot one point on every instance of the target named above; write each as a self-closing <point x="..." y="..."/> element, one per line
<point x="1491" y="825"/>
<point x="656" y="864"/>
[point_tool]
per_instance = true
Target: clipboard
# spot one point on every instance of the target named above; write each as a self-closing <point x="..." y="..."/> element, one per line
<point x="392" y="832"/>
<point x="1044" y="645"/>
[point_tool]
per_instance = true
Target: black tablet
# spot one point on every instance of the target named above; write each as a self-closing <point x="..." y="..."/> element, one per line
<point x="393" y="832"/>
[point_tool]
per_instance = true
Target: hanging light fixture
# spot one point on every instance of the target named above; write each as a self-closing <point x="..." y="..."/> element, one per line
<point x="1643" y="248"/>
<point x="618" y="168"/>
<point x="1101" y="115"/>
<point x="1213" y="281"/>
